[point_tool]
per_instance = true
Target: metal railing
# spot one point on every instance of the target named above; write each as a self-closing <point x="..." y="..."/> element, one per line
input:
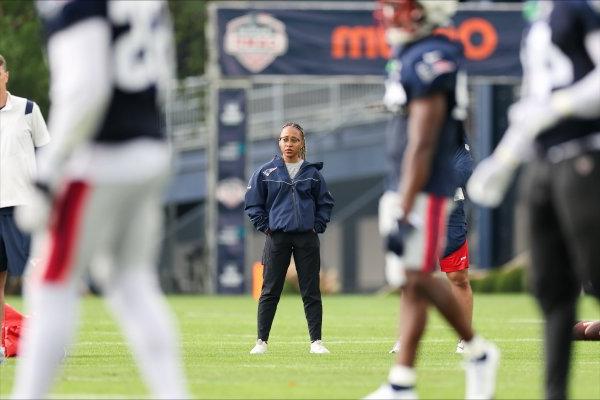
<point x="187" y="113"/>
<point x="319" y="105"/>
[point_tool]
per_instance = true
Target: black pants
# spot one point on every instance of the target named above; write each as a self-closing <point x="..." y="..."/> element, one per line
<point x="279" y="248"/>
<point x="563" y="201"/>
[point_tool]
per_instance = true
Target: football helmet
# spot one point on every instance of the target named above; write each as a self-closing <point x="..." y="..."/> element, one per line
<point x="408" y="20"/>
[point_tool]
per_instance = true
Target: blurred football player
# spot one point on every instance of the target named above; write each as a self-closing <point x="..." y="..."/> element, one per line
<point x="559" y="117"/>
<point x="455" y="258"/>
<point x="102" y="177"/>
<point x="424" y="88"/>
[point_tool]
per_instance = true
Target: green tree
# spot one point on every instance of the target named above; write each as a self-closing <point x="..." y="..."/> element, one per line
<point x="21" y="44"/>
<point x="189" y="20"/>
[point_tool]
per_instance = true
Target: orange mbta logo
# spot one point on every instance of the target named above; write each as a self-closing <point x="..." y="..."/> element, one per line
<point x="360" y="41"/>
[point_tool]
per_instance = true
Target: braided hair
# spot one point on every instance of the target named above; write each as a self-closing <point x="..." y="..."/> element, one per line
<point x="297" y="126"/>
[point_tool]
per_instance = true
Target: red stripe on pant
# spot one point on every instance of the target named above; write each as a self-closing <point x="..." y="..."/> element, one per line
<point x="66" y="221"/>
<point x="435" y="226"/>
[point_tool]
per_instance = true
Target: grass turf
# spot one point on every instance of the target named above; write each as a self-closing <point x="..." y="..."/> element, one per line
<point x="218" y="333"/>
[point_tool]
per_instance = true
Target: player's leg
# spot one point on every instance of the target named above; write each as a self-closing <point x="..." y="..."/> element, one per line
<point x="553" y="280"/>
<point x="308" y="265"/>
<point x="276" y="260"/>
<point x="461" y="288"/>
<point x="421" y="259"/>
<point x="481" y="357"/>
<point x="456" y="267"/>
<point x="421" y="288"/>
<point x="3" y="275"/>
<point x="52" y="298"/>
<point x="395" y="275"/>
<point x="413" y="319"/>
<point x="422" y="249"/>
<point x="578" y="196"/>
<point x="133" y="291"/>
<point x="576" y="191"/>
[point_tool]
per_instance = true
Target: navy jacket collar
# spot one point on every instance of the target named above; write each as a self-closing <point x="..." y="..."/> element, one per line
<point x="278" y="162"/>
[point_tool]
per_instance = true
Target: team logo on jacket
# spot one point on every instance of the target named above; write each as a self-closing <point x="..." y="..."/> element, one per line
<point x="255" y="40"/>
<point x="267" y="172"/>
<point x="433" y="65"/>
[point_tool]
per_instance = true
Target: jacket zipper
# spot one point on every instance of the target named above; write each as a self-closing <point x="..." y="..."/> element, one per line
<point x="295" y="203"/>
<point x="296" y="210"/>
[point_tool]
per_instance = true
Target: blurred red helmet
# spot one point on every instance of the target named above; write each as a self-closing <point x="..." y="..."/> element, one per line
<point x="408" y="20"/>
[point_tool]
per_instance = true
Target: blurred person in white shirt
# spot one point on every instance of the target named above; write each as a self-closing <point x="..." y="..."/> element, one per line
<point x="22" y="129"/>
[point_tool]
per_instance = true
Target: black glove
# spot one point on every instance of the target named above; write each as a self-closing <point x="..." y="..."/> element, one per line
<point x="394" y="242"/>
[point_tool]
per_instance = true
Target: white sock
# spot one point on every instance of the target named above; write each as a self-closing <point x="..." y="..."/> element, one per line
<point x="46" y="333"/>
<point x="138" y="304"/>
<point x="475" y="348"/>
<point x="401" y="375"/>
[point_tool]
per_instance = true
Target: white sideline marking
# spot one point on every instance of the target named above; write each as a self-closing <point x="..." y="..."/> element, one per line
<point x="391" y="341"/>
<point x="98" y="396"/>
<point x="325" y="340"/>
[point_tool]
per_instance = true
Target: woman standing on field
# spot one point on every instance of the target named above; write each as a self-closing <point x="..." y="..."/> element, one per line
<point x="288" y="200"/>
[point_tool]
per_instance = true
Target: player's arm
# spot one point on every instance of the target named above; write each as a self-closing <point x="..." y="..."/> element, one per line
<point x="426" y="116"/>
<point x="79" y="93"/>
<point x="582" y="99"/>
<point x="528" y="118"/>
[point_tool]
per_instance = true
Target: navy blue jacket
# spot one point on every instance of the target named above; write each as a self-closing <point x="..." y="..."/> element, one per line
<point x="277" y="202"/>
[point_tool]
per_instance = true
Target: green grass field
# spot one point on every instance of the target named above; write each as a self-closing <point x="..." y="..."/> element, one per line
<point x="218" y="333"/>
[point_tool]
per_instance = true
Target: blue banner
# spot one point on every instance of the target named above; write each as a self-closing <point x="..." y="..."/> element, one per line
<point x="230" y="191"/>
<point x="347" y="42"/>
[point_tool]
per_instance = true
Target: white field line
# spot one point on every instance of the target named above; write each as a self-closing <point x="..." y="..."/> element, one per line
<point x="326" y="341"/>
<point x="98" y="396"/>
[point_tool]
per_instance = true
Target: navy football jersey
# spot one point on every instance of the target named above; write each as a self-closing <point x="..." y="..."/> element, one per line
<point x="140" y="53"/>
<point x="554" y="56"/>
<point x="427" y="66"/>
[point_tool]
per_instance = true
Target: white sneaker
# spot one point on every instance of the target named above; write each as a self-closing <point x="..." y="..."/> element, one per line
<point x="386" y="392"/>
<point x="460" y="347"/>
<point x="481" y="374"/>
<point x="317" y="347"/>
<point x="396" y="348"/>
<point x="259" y="348"/>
